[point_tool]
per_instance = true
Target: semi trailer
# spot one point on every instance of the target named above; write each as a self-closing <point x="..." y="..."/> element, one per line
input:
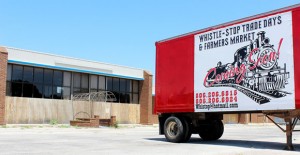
<point x="248" y="65"/>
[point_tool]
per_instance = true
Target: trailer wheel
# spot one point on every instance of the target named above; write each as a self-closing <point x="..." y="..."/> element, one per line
<point x="211" y="130"/>
<point x="188" y="131"/>
<point x="176" y="130"/>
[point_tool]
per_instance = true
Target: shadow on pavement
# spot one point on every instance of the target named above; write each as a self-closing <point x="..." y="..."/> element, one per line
<point x="237" y="143"/>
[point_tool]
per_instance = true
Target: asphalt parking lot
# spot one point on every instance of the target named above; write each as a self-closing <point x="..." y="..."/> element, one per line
<point x="136" y="139"/>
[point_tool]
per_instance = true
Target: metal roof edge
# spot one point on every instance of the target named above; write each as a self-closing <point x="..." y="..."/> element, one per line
<point x="72" y="69"/>
<point x="234" y="21"/>
<point x="67" y="57"/>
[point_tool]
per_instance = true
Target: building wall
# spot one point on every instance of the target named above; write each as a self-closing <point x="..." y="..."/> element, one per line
<point x="246" y="118"/>
<point x="146" y="99"/>
<point x="21" y="110"/>
<point x="3" y="66"/>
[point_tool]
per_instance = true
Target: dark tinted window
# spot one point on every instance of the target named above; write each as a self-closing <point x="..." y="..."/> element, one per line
<point x="28" y="74"/>
<point x="48" y="76"/>
<point x="27" y="90"/>
<point x="76" y="79"/>
<point x="94" y="82"/>
<point x="66" y="93"/>
<point x="67" y="79"/>
<point x="17" y="73"/>
<point x="38" y="90"/>
<point x="85" y="81"/>
<point x="128" y="86"/>
<point x="57" y="92"/>
<point x="109" y="84"/>
<point x="122" y="85"/>
<point x="116" y="84"/>
<point x="58" y="78"/>
<point x="16" y="89"/>
<point x="76" y="90"/>
<point x="38" y="75"/>
<point x="125" y="97"/>
<point x="36" y="82"/>
<point x="135" y="86"/>
<point x="101" y="83"/>
<point x="47" y="91"/>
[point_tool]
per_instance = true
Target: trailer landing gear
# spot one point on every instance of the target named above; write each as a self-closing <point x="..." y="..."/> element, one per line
<point x="291" y="118"/>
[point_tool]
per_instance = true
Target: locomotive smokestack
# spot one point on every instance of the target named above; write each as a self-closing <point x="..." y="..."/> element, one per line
<point x="251" y="45"/>
<point x="261" y="37"/>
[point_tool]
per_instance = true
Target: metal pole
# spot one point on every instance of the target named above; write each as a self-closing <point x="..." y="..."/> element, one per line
<point x="289" y="131"/>
<point x="72" y="107"/>
<point x="91" y="104"/>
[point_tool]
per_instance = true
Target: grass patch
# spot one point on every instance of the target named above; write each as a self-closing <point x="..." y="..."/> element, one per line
<point x="4" y="126"/>
<point x="116" y="125"/>
<point x="26" y="127"/>
<point x="77" y="127"/>
<point x="64" y="126"/>
<point x="53" y="122"/>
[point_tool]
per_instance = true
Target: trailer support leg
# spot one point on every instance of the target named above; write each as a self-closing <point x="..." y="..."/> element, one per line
<point x="289" y="134"/>
<point x="290" y="123"/>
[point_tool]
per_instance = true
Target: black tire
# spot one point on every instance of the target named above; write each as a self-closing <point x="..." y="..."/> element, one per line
<point x="211" y="130"/>
<point x="188" y="132"/>
<point x="176" y="130"/>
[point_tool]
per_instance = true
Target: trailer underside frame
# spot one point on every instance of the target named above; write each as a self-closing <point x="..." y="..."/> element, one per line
<point x="290" y="118"/>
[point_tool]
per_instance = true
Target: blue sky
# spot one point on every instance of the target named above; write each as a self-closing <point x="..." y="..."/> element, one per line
<point x="117" y="32"/>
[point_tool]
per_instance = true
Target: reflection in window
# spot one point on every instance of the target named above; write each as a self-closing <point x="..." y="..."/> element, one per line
<point x="38" y="75"/>
<point x="84" y="81"/>
<point x="38" y="90"/>
<point x="67" y="79"/>
<point x="116" y="84"/>
<point x="122" y="85"/>
<point x="128" y="86"/>
<point x="47" y="91"/>
<point x="66" y="91"/>
<point x="48" y="76"/>
<point x="109" y="84"/>
<point x="17" y="73"/>
<point x="125" y="98"/>
<point x="94" y="81"/>
<point x="28" y="75"/>
<point x="27" y="81"/>
<point x="76" y="80"/>
<point x="27" y="90"/>
<point x="57" y="78"/>
<point x="135" y="86"/>
<point x="57" y="92"/>
<point x="16" y="89"/>
<point x="76" y="90"/>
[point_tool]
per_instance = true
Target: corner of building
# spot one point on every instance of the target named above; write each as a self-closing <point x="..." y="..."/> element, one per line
<point x="146" y="99"/>
<point x="3" y="70"/>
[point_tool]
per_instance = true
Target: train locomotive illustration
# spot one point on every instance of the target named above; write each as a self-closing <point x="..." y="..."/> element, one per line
<point x="254" y="71"/>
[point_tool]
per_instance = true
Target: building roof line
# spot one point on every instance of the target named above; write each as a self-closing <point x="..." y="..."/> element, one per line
<point x="72" y="69"/>
<point x="67" y="57"/>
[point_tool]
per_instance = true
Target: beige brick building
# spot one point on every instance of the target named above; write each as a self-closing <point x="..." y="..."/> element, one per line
<point x="40" y="87"/>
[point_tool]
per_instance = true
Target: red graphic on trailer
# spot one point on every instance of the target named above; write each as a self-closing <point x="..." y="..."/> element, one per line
<point x="254" y="71"/>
